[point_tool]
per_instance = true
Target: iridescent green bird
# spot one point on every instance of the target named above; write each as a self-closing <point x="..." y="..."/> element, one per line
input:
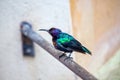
<point x="65" y="42"/>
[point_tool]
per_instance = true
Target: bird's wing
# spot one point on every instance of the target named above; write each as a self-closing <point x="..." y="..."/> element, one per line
<point x="76" y="46"/>
<point x="59" y="46"/>
<point x="64" y="38"/>
<point x="73" y="44"/>
<point x="69" y="42"/>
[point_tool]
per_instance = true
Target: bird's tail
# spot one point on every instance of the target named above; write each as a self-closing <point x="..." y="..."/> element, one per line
<point x="86" y="50"/>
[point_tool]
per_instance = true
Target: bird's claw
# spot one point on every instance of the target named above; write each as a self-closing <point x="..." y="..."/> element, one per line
<point x="68" y="58"/>
<point x="62" y="55"/>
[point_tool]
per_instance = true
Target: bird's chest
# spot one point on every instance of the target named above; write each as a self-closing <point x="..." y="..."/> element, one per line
<point x="54" y="42"/>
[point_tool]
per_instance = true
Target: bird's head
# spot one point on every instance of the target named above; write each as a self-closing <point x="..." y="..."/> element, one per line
<point x="52" y="31"/>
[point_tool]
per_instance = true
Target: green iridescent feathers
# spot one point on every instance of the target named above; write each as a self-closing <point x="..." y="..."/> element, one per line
<point x="64" y="38"/>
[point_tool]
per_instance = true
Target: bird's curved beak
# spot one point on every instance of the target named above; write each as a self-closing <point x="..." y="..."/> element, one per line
<point x="43" y="30"/>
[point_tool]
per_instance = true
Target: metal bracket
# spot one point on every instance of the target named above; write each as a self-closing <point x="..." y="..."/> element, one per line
<point x="27" y="44"/>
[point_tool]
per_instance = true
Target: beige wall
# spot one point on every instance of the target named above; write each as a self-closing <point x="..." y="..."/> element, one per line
<point x="83" y="30"/>
<point x="96" y="24"/>
<point x="42" y="14"/>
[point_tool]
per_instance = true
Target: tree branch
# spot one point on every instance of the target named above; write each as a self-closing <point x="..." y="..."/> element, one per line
<point x="73" y="66"/>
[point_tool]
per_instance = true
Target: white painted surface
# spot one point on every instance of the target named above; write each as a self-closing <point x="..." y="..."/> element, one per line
<point x="42" y="14"/>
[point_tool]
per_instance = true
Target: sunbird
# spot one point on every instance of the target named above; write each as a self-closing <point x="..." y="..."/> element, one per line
<point x="65" y="42"/>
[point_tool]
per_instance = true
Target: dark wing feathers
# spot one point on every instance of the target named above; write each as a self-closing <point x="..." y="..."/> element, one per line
<point x="72" y="44"/>
<point x="59" y="46"/>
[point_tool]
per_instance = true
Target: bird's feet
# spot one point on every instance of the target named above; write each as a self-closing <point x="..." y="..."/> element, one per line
<point x="62" y="55"/>
<point x="68" y="58"/>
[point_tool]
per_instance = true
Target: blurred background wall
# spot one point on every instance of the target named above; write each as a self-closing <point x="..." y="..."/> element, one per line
<point x="41" y="14"/>
<point x="95" y="23"/>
